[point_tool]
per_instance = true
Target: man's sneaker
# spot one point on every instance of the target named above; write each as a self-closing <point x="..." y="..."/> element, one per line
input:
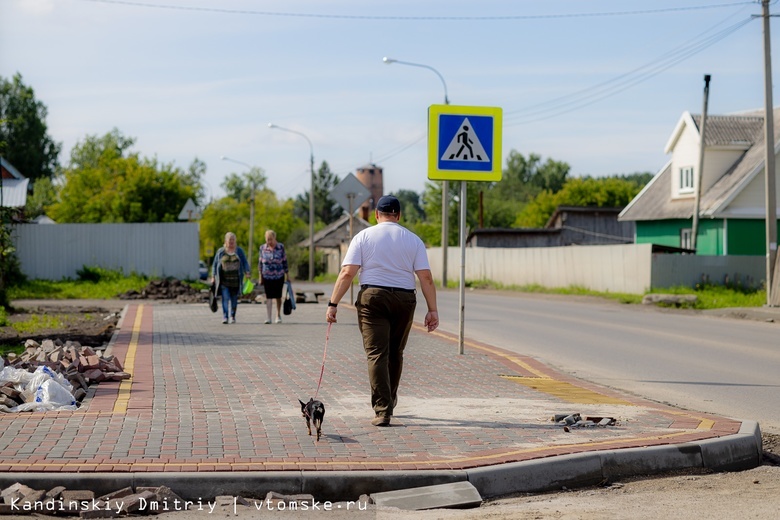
<point x="224" y="321"/>
<point x="233" y="319"/>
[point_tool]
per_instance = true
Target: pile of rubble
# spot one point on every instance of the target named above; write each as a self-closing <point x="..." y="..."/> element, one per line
<point x="167" y="289"/>
<point x="20" y="499"/>
<point x="53" y="375"/>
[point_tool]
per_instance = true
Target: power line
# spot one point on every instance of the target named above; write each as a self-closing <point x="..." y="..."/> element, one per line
<point x="617" y="84"/>
<point x="417" y="18"/>
<point x="400" y="149"/>
<point x="563" y="99"/>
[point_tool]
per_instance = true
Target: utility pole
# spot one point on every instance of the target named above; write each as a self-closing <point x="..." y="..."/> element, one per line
<point x="772" y="296"/>
<point x="700" y="170"/>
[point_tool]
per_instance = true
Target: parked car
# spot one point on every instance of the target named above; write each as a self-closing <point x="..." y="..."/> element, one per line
<point x="203" y="271"/>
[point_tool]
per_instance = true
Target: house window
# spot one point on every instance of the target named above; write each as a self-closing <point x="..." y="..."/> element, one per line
<point x="686" y="241"/>
<point x="686" y="179"/>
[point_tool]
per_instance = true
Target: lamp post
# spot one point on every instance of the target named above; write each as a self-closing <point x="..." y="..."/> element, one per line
<point x="251" y="205"/>
<point x="445" y="185"/>
<point x="311" y="196"/>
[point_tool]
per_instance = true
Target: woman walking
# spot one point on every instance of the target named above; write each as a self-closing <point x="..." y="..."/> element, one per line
<point x="273" y="271"/>
<point x="230" y="266"/>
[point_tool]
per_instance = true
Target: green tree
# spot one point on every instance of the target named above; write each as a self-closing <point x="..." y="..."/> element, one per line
<point x="24" y="138"/>
<point x="430" y="232"/>
<point x="105" y="182"/>
<point x="326" y="210"/>
<point x="231" y="214"/>
<point x="611" y="192"/>
<point x="44" y="194"/>
<point x="239" y="186"/>
<point x="411" y="207"/>
<point x="9" y="265"/>
<point x="524" y="178"/>
<point x="638" y="178"/>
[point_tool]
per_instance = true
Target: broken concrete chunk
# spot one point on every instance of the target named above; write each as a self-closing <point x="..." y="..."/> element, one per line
<point x="455" y="495"/>
<point x="16" y="488"/>
<point x="55" y="492"/>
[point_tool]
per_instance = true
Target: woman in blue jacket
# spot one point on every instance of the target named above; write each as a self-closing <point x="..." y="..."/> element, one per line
<point x="229" y="268"/>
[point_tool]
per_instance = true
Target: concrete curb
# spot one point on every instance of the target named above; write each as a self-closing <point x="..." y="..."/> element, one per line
<point x="115" y="335"/>
<point x="729" y="453"/>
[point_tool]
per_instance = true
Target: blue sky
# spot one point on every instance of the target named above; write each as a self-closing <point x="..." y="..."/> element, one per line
<point x="598" y="84"/>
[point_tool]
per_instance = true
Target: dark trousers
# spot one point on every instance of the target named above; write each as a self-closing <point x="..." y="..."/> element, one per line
<point x="384" y="319"/>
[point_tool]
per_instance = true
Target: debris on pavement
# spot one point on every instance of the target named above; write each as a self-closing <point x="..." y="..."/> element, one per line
<point x="576" y="420"/>
<point x="167" y="289"/>
<point x="54" y="375"/>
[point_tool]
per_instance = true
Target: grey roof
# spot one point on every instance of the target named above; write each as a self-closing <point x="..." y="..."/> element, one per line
<point x="15" y="192"/>
<point x="654" y="202"/>
<point x="43" y="219"/>
<point x="337" y="232"/>
<point x="731" y="130"/>
<point x="580" y="209"/>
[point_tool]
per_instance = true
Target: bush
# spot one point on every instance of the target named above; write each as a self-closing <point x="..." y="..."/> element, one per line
<point x="98" y="274"/>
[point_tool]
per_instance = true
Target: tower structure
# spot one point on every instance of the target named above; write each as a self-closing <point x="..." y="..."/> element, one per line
<point x="370" y="176"/>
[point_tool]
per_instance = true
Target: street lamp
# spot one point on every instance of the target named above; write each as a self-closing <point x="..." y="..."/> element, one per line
<point x="251" y="206"/>
<point x="311" y="196"/>
<point x="445" y="185"/>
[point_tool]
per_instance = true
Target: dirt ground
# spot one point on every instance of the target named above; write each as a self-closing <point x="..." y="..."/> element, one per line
<point x="748" y="494"/>
<point x="88" y="322"/>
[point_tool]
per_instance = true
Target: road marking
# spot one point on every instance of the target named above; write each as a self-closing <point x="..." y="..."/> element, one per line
<point x="566" y="391"/>
<point x="123" y="396"/>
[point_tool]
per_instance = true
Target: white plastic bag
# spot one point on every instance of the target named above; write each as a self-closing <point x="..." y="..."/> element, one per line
<point x="15" y="375"/>
<point x="53" y="393"/>
<point x="46" y="390"/>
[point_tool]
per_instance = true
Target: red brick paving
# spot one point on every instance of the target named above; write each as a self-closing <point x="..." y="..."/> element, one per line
<point x="208" y="397"/>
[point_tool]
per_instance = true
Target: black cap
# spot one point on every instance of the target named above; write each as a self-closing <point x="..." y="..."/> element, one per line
<point x="388" y="204"/>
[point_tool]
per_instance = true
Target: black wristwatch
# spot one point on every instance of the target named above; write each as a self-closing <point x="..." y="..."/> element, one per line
<point x="331" y="304"/>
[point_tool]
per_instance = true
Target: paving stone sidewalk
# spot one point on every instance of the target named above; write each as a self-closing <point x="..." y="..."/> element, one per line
<point x="207" y="397"/>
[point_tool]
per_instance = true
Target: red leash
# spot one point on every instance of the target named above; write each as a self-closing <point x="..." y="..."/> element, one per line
<point x="324" y="355"/>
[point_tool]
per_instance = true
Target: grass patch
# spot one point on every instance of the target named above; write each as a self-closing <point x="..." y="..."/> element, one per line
<point x="326" y="278"/>
<point x="710" y="296"/>
<point x="539" y="289"/>
<point x="93" y="283"/>
<point x="36" y="323"/>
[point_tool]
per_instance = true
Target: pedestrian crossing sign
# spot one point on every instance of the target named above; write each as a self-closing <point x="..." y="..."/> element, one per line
<point x="464" y="143"/>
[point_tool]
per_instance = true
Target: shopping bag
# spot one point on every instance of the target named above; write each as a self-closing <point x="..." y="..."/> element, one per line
<point x="248" y="286"/>
<point x="289" y="299"/>
<point x="213" y="298"/>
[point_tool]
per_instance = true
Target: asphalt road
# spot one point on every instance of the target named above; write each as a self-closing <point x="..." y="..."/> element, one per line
<point x="697" y="361"/>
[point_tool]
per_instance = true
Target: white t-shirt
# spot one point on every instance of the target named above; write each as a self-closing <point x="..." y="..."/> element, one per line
<point x="388" y="254"/>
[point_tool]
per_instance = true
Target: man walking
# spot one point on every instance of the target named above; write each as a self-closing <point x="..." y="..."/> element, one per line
<point x="388" y="257"/>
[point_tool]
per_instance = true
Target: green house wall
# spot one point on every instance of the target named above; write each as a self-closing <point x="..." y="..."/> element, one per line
<point x="746" y="237"/>
<point x="742" y="236"/>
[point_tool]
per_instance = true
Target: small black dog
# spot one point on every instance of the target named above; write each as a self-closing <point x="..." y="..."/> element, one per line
<point x="313" y="412"/>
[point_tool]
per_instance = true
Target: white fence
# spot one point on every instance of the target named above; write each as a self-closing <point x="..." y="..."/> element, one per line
<point x="57" y="251"/>
<point x="630" y="268"/>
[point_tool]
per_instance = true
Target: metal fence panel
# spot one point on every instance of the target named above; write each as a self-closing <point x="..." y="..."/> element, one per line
<point x="57" y="251"/>
<point x="629" y="268"/>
